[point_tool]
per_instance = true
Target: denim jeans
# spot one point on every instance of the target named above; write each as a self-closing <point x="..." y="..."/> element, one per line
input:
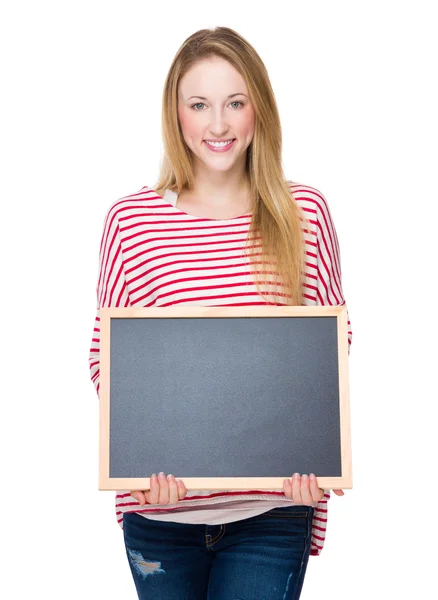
<point x="261" y="558"/>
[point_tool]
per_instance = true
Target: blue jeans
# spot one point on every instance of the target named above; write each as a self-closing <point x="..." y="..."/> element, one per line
<point x="260" y="558"/>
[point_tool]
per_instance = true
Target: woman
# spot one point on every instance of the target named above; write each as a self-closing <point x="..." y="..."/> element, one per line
<point x="222" y="226"/>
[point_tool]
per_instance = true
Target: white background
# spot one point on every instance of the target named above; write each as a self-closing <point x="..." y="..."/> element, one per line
<point x="80" y="127"/>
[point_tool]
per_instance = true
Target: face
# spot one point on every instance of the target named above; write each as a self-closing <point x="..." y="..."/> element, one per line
<point x="214" y="104"/>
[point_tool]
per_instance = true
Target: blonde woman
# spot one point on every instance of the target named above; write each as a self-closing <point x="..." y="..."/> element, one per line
<point x="221" y="227"/>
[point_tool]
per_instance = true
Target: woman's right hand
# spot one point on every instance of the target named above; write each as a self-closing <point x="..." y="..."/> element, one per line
<point x="164" y="490"/>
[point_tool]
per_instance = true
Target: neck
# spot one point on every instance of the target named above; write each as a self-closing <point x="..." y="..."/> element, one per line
<point x="221" y="188"/>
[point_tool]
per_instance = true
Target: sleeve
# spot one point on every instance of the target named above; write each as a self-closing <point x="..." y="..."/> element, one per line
<point x="329" y="292"/>
<point x="329" y="276"/>
<point x="111" y="287"/>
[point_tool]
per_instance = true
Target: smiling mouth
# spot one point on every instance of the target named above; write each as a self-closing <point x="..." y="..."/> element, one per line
<point x="216" y="146"/>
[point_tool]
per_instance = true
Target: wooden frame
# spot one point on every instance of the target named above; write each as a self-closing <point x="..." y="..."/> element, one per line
<point x="223" y="483"/>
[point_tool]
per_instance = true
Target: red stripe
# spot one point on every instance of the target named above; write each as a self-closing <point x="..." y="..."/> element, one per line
<point x="175" y="254"/>
<point x="116" y="281"/>
<point x="107" y="273"/>
<point x="163" y="265"/>
<point x="158" y="238"/>
<point x="215" y="225"/>
<point x="197" y="298"/>
<point x="329" y="271"/>
<point x="311" y="298"/>
<point x="166" y="273"/>
<point x="164" y="246"/>
<point x="187" y="279"/>
<point x="220" y="494"/>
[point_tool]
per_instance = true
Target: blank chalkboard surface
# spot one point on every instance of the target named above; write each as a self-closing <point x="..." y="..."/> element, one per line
<point x="224" y="397"/>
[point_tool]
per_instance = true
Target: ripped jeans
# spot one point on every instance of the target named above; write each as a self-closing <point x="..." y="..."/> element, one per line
<point x="261" y="558"/>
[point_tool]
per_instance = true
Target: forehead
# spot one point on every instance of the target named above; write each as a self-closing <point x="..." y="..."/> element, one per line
<point x="211" y="77"/>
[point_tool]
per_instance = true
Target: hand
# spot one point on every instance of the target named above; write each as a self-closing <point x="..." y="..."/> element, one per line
<point x="164" y="490"/>
<point x="304" y="490"/>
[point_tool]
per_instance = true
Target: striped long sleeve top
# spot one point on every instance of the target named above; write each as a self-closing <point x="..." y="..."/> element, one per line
<point x="153" y="254"/>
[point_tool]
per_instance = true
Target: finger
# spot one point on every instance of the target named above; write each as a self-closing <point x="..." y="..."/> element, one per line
<point x="287" y="488"/>
<point x="139" y="496"/>
<point x="173" y="489"/>
<point x="152" y="495"/>
<point x="163" y="497"/>
<point x="316" y="492"/>
<point x="182" y="490"/>
<point x="296" y="488"/>
<point x="339" y="492"/>
<point x="306" y="496"/>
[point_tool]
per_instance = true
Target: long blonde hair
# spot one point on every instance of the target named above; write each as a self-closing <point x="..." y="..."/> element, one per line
<point x="276" y="217"/>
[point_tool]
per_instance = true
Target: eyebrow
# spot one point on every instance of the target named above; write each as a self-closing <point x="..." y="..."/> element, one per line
<point x="230" y="96"/>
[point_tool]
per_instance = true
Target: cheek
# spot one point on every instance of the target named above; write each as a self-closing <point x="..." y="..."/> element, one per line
<point x="247" y="122"/>
<point x="188" y="122"/>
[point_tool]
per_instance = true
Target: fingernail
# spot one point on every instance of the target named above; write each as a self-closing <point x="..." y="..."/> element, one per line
<point x="162" y="475"/>
<point x="286" y="482"/>
<point x="304" y="476"/>
<point x="179" y="482"/>
<point x="312" y="476"/>
<point x="296" y="475"/>
<point x="170" y="477"/>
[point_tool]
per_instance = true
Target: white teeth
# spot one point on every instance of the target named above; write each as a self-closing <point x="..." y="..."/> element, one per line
<point x="219" y="143"/>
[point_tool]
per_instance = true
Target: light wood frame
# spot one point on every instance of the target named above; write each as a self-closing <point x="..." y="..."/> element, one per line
<point x="223" y="483"/>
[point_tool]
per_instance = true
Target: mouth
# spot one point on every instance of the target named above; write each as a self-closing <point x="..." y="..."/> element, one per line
<point x="220" y="147"/>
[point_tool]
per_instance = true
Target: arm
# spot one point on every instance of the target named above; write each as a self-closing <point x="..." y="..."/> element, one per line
<point x="329" y="276"/>
<point x="329" y="284"/>
<point x="111" y="287"/>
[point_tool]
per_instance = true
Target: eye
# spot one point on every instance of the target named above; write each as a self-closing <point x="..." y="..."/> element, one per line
<point x="202" y="104"/>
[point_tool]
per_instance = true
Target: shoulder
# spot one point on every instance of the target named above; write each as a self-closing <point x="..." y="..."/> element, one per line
<point x="308" y="197"/>
<point x="129" y="205"/>
<point x="313" y="203"/>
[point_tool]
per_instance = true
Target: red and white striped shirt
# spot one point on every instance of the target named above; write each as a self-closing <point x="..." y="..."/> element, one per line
<point x="153" y="254"/>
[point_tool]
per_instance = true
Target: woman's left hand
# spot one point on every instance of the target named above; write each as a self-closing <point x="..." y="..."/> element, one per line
<point x="304" y="490"/>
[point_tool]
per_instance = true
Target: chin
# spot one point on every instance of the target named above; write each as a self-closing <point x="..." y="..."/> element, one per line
<point x="218" y="168"/>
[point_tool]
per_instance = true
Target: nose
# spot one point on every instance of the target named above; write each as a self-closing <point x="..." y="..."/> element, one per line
<point x="218" y="124"/>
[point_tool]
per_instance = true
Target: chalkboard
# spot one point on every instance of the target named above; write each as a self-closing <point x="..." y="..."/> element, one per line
<point x="224" y="397"/>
